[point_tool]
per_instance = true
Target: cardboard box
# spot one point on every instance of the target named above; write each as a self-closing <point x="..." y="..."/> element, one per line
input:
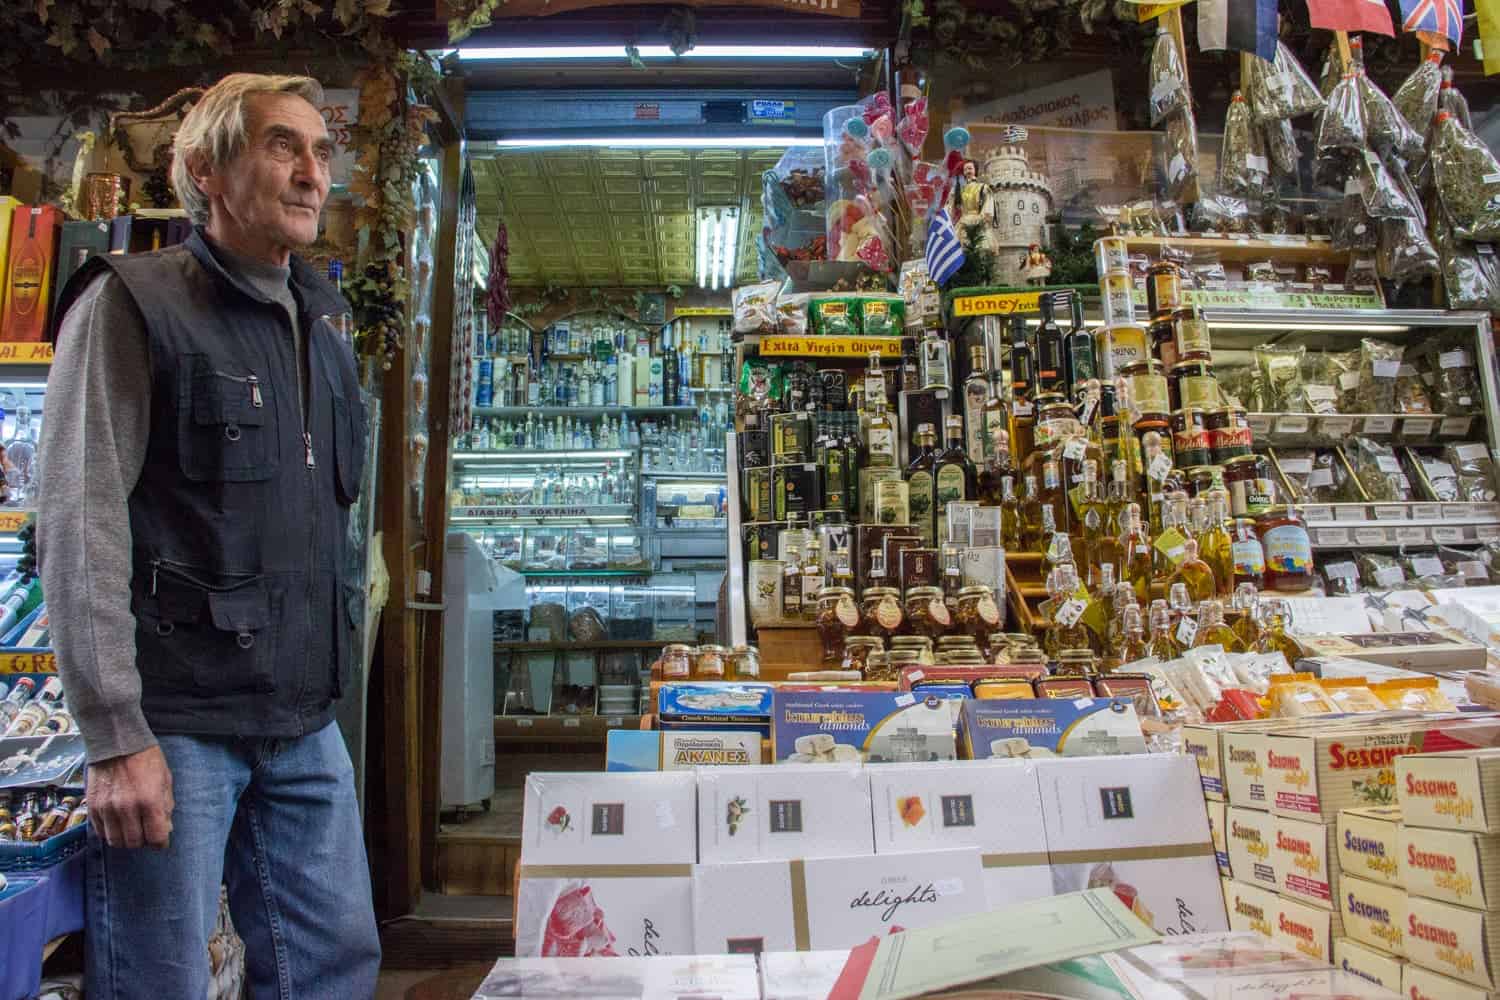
<point x="1244" y="767"/>
<point x="995" y="806"/>
<point x="1207" y="743"/>
<point x="1458" y="790"/>
<point x="1218" y="832"/>
<point x="30" y="273"/>
<point x="566" y="911"/>
<point x="662" y="977"/>
<point x="781" y="813"/>
<point x="654" y="750"/>
<point x="1374" y="914"/>
<point x="582" y="818"/>
<point x="1305" y="858"/>
<point x="800" y="975"/>
<point x="1453" y="940"/>
<point x="1250" y="835"/>
<point x="8" y="206"/>
<point x="738" y="706"/>
<point x="854" y="725"/>
<point x="1369" y="843"/>
<point x="1308" y="930"/>
<point x="1050" y="727"/>
<point x="1418" y="983"/>
<point x="79" y="241"/>
<point x="1250" y="908"/>
<point x="1421" y="651"/>
<point x="1374" y="966"/>
<point x="1451" y="865"/>
<point x="1136" y="824"/>
<point x="826" y="902"/>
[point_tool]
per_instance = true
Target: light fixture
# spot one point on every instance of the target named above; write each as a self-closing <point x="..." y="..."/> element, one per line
<point x="1278" y="324"/>
<point x="729" y="231"/>
<point x="767" y="141"/>
<point x="545" y="52"/>
<point x="703" y="241"/>
<point x="718" y="236"/>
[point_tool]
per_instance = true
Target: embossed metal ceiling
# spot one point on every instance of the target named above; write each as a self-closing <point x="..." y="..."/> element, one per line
<point x="623" y="217"/>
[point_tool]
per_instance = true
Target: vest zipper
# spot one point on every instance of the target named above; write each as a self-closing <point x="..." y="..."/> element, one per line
<point x="250" y="380"/>
<point x="307" y="449"/>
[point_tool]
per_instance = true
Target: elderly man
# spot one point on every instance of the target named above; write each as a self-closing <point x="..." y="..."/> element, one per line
<point x="202" y="445"/>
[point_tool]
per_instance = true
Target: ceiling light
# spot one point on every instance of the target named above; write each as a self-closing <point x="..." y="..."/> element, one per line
<point x="703" y="240"/>
<point x="544" y="52"/>
<point x="1277" y="324"/>
<point x="729" y="231"/>
<point x="767" y="141"/>
<point x="718" y="235"/>
<point x="718" y="238"/>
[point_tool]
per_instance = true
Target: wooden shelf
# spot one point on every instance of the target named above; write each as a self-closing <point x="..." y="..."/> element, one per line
<point x="560" y="728"/>
<point x="569" y="647"/>
<point x="1290" y="249"/>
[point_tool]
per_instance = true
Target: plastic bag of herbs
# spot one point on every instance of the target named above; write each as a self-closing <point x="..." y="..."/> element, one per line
<point x="1278" y="371"/>
<point x="1380" y="571"/>
<point x="1341" y="134"/>
<point x="1244" y="167"/>
<point x="1168" y="76"/>
<point x="1467" y="177"/>
<point x="1404" y="253"/>
<point x="1475" y="469"/>
<point x="1471" y="271"/>
<point x="1378" y="470"/>
<point x="1456" y="382"/>
<point x="1311" y="476"/>
<point x="1439" y="480"/>
<point x="1385" y="129"/>
<point x="1281" y="89"/>
<point x="1181" y="153"/>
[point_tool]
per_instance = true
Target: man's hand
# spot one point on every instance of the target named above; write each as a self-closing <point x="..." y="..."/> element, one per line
<point x="130" y="799"/>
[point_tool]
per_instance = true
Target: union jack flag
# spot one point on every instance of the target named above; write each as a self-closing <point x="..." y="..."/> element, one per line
<point x="1442" y="17"/>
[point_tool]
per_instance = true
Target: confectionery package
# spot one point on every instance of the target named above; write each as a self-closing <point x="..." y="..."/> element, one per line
<point x="825" y="903"/>
<point x="1454" y="866"/>
<point x="1369" y="842"/>
<point x="578" y="911"/>
<point x="800" y="975"/>
<point x="1455" y="791"/>
<point x="1306" y="860"/>
<point x="1051" y="727"/>
<point x="1370" y="964"/>
<point x="1306" y="929"/>
<point x="776" y="812"/>
<point x="1249" y="907"/>
<point x="1250" y="835"/>
<point x="580" y="818"/>
<point x="1418" y="983"/>
<point x="1374" y="914"/>
<point x="645" y="750"/>
<point x="1453" y="940"/>
<point x="992" y="805"/>
<point x="851" y="726"/>
<point x="1218" y="833"/>
<point x="1135" y="824"/>
<point x="727" y="977"/>
<point x="706" y="706"/>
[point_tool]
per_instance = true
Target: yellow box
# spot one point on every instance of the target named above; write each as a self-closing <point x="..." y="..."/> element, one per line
<point x="1371" y="964"/>
<point x="1451" y="865"/>
<point x="1250" y="907"/>
<point x="1453" y="940"/>
<point x="1452" y="791"/>
<point x="1374" y="914"/>
<point x="1306" y="929"/>
<point x="1305" y="858"/>
<point x="1418" y="983"/>
<point x="1370" y="843"/>
<point x="1216" y="833"/>
<point x="8" y="206"/>
<point x="1248" y="836"/>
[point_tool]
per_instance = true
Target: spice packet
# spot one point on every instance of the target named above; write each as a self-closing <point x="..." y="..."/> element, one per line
<point x="755" y="308"/>
<point x="1378" y="470"/>
<point x="1475" y="469"/>
<point x="1244" y="168"/>
<point x="1341" y="578"/>
<point x="1281" y="90"/>
<point x="1169" y="91"/>
<point x="1417" y="97"/>
<point x="1467" y="177"/>
<point x="1278" y="370"/>
<point x="1385" y="129"/>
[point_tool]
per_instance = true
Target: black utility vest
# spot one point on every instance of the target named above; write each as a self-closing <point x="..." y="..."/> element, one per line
<point x="244" y="601"/>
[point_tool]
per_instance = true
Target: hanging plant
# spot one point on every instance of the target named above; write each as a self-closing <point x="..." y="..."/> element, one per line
<point x="985" y="38"/>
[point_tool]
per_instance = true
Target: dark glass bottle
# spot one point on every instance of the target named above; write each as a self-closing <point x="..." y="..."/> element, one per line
<point x="1079" y="350"/>
<point x="955" y="477"/>
<point x="920" y="485"/>
<point x="1051" y="374"/>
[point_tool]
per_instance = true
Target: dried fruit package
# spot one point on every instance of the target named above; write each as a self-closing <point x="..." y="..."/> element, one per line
<point x="1244" y="168"/>
<point x="1282" y="89"/>
<point x="1452" y="100"/>
<point x="1169" y="93"/>
<point x="1457" y="382"/>
<point x="1405" y="253"/>
<point x="1385" y="129"/>
<point x="1378" y="470"/>
<point x="1417" y="97"/>
<point x="755" y="307"/>
<point x="1476" y="471"/>
<point x="1278" y="370"/>
<point x="1467" y="178"/>
<point x="1379" y="364"/>
<point x="1182" y="153"/>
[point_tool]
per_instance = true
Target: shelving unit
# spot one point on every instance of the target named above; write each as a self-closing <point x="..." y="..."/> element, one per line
<point x="1402" y="428"/>
<point x="560" y="728"/>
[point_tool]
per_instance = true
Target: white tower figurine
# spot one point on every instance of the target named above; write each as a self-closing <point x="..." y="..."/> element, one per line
<point x="1022" y="200"/>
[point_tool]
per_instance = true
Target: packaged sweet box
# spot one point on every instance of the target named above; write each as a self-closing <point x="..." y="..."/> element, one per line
<point x="761" y="813"/>
<point x="1051" y="727"/>
<point x="843" y="726"/>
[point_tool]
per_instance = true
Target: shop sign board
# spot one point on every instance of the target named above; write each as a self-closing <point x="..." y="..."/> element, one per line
<point x="830" y="347"/>
<point x="1081" y="102"/>
<point x="998" y="304"/>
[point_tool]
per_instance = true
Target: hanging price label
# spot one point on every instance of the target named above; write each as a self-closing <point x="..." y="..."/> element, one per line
<point x="1379" y="425"/>
<point x="1071" y="610"/>
<point x="1187" y="631"/>
<point x="1075" y="449"/>
<point x="1171" y="544"/>
<point x="1455" y="426"/>
<point x="1161" y="465"/>
<point x="1336" y="427"/>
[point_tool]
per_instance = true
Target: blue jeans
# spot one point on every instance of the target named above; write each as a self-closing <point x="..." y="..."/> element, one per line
<point x="277" y="822"/>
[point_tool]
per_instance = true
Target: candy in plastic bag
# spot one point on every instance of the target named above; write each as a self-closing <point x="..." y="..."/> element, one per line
<point x="1169" y="93"/>
<point x="755" y="308"/>
<point x="1467" y="178"/>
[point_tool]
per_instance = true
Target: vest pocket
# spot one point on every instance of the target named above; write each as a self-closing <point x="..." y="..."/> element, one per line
<point x="214" y="641"/>
<point x="226" y="424"/>
<point x="349" y="447"/>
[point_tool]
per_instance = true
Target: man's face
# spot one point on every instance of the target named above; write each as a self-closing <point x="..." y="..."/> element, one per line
<point x="970" y="170"/>
<point x="271" y="194"/>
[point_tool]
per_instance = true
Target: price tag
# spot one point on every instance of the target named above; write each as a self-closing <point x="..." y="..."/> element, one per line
<point x="1472" y="452"/>
<point x="1172" y="545"/>
<point x="1187" y="631"/>
<point x="1379" y="424"/>
<point x="1343" y="570"/>
<point x="1473" y="569"/>
<point x="1411" y="535"/>
<point x="1070" y="612"/>
<point x="1297" y="466"/>
<point x="1369" y="536"/>
<point x="1459" y="511"/>
<point x="1319" y="478"/>
<point x="1427" y="566"/>
<point x="1448" y="534"/>
<point x="1455" y="426"/>
<point x="1336" y="427"/>
<point x="1426" y="512"/>
<point x="1317" y="512"/>
<point x="1386" y="369"/>
<point x="1333" y="536"/>
<point x="1487" y="510"/>
<point x="1390" y="512"/>
<point x="1388" y="464"/>
<point x="1292" y="423"/>
<point x="1022" y="409"/>
<point x="1161" y="465"/>
<point x="1075" y="449"/>
<point x="1389" y="576"/>
<point x="523" y="723"/>
<point x="1349" y="512"/>
<point x="1349" y="381"/>
<point x="1487" y="532"/>
<point x="570" y="723"/>
<point x="1260" y="423"/>
<point x="1453" y="359"/>
<point x="1414" y="427"/>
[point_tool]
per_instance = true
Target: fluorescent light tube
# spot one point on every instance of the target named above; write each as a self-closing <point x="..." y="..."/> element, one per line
<point x="703" y="227"/>
<point x="767" y="141"/>
<point x="729" y="227"/>
<point x="511" y="53"/>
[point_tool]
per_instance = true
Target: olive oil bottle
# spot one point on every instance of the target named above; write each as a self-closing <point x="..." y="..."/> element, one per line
<point x="954" y="477"/>
<point x="919" y="482"/>
<point x="1195" y="574"/>
<point x="880" y="434"/>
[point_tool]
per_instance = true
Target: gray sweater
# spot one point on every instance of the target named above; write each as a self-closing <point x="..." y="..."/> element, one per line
<point x="96" y="422"/>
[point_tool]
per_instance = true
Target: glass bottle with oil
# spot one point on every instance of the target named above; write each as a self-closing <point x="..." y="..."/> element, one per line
<point x="1168" y="548"/>
<point x="880" y="432"/>
<point x="920" y="485"/>
<point x="1091" y="515"/>
<point x="812" y="580"/>
<point x="1212" y="631"/>
<point x="1031" y="514"/>
<point x="1130" y="639"/>
<point x="1215" y="544"/>
<point x="1022" y="390"/>
<point x="1195" y="574"/>
<point x="996" y="468"/>
<point x="791" y="585"/>
<point x="1163" y="645"/>
<point x="1010" y="516"/>
<point x="1247" y="625"/>
<point x="954" y="476"/>
<point x="1273" y="637"/>
<point x="1135" y="553"/>
<point x="975" y="395"/>
<point x="1051" y="372"/>
<point x="1054" y="494"/>
<point x="1066" y="629"/>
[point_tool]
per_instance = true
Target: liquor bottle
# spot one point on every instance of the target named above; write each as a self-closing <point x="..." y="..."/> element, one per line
<point x="1216" y="544"/>
<point x="880" y="435"/>
<point x="1135" y="553"/>
<point x="812" y="581"/>
<point x="1046" y="535"/>
<point x="791" y="585"/>
<point x="1053" y="493"/>
<point x="1273" y="637"/>
<point x="1130" y="639"/>
<point x="1079" y="350"/>
<point x="1031" y="515"/>
<point x="1051" y="376"/>
<point x="920" y="485"/>
<point x="976" y="394"/>
<point x="1098" y="547"/>
<point x="1193" y="573"/>
<point x="1010" y="515"/>
<point x="1022" y="391"/>
<point x="1163" y="644"/>
<point x="1247" y="626"/>
<point x="1171" y="535"/>
<point x="1066" y="629"/>
<point x="954" y="477"/>
<point x="1212" y="631"/>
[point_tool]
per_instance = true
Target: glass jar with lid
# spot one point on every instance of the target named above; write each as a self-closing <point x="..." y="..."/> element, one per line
<point x="900" y="657"/>
<point x="920" y="644"/>
<point x="837" y="617"/>
<point x="878" y="667"/>
<point x="978" y="614"/>
<point x="676" y="662"/>
<point x="1163" y="289"/>
<point x="1055" y="420"/>
<point x="1077" y="661"/>
<point x="744" y="663"/>
<point x="880" y="612"/>
<point x="1288" y="550"/>
<point x="857" y="652"/>
<point x="1191" y="336"/>
<point x="926" y="612"/>
<point x="710" y="663"/>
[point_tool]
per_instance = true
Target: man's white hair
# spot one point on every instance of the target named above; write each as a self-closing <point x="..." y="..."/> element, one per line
<point x="215" y="129"/>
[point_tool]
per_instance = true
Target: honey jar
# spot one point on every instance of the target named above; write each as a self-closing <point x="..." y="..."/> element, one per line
<point x="837" y="617"/>
<point x="977" y="613"/>
<point x="880" y="612"/>
<point x="857" y="652"/>
<point x="926" y="612"/>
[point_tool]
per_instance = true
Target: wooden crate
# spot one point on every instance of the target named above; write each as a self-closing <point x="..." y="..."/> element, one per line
<point x="787" y="649"/>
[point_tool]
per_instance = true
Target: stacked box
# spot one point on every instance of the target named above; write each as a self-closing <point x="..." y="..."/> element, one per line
<point x="1375" y="914"/>
<point x="1418" y="983"/>
<point x="763" y="813"/>
<point x="1370" y="964"/>
<point x="29" y="276"/>
<point x="1370" y="843"/>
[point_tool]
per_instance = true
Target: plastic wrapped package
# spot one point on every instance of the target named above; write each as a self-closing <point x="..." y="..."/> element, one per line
<point x="1411" y="391"/>
<point x="755" y="308"/>
<point x="1222" y="213"/>
<point x="1379" y="364"/>
<point x="834" y="315"/>
<point x="1476" y="471"/>
<point x="1296" y="695"/>
<point x="792" y="197"/>
<point x="1380" y="571"/>
<point x="1439" y="479"/>
<point x="1457" y="382"/>
<point x="1281" y="148"/>
<point x="1383" y="198"/>
<point x="882" y="315"/>
<point x="1181" y="153"/>
<point x="1281" y="90"/>
<point x="1424" y="568"/>
<point x="1341" y="132"/>
<point x="1341" y="578"/>
<point x="1309" y="476"/>
<point x="1471" y="272"/>
<point x="1244" y="168"/>
<point x="546" y="549"/>
<point x="1378" y="470"/>
<point x="1417" y="97"/>
<point x="792" y="313"/>
<point x="1353" y="229"/>
<point x="1278" y="370"/>
<point x="1169" y="91"/>
<point x="1405" y="254"/>
<point x="1467" y="177"/>
<point x="1321" y="371"/>
<point x="1468" y="565"/>
<point x="1386" y="131"/>
<point x="1452" y="100"/>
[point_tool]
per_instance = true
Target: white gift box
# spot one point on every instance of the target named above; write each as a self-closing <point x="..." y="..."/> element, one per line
<point x="581" y="911"/>
<point x="765" y="813"/>
<point x="726" y="977"/>
<point x="994" y="805"/>
<point x="1136" y="824"/>
<point x="824" y="903"/>
<point x="580" y="818"/>
<point x="800" y="975"/>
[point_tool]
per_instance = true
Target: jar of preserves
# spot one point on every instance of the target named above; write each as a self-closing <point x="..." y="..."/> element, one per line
<point x="1201" y="480"/>
<point x="1055" y="420"/>
<point x="1077" y="661"/>
<point x="977" y="613"/>
<point x="1163" y="289"/>
<point x="711" y="663"/>
<point x="1228" y="434"/>
<point x="921" y="645"/>
<point x="1190" y="335"/>
<point x="1118" y="347"/>
<point x="880" y="612"/>
<point x="1117" y="298"/>
<point x="901" y="657"/>
<point x="1248" y="554"/>
<point x="744" y="663"/>
<point x="1248" y="479"/>
<point x="1190" y="436"/>
<point x="676" y="662"/>
<point x="1163" y="343"/>
<point x="837" y="617"/>
<point x="857" y="652"/>
<point x="1289" y="560"/>
<point x="1192" y="384"/>
<point x="1147" y="385"/>
<point x="926" y="612"/>
<point x="878" y="667"/>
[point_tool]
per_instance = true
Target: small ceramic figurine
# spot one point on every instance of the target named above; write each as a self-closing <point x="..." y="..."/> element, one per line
<point x="1037" y="265"/>
<point x="971" y="203"/>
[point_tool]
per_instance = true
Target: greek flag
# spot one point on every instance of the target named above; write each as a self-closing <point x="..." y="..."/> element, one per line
<point x="945" y="255"/>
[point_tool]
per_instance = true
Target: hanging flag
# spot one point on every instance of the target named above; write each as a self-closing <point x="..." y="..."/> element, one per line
<point x="1489" y="34"/>
<point x="1441" y="17"/>
<point x="1351" y="15"/>
<point x="945" y="254"/>
<point x="1239" y="25"/>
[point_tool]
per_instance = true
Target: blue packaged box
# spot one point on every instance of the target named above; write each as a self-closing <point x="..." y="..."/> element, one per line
<point x="849" y="726"/>
<point x="714" y="706"/>
<point x="1051" y="727"/>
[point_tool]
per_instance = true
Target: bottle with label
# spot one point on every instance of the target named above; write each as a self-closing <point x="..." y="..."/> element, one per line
<point x="997" y="466"/>
<point x="1273" y="637"/>
<point x="1212" y="631"/>
<point x="791" y="585"/>
<point x="880" y="435"/>
<point x="1051" y="376"/>
<point x="1046" y="532"/>
<point x="1167" y="549"/>
<point x="1055" y="494"/>
<point x="812" y="580"/>
<point x="1288" y="550"/>
<point x="1193" y="573"/>
<point x="1246" y="627"/>
<point x="1216" y="544"/>
<point x="1135" y="553"/>
<point x="1163" y="645"/>
<point x="920" y="485"/>
<point x="976" y="394"/>
<point x="1031" y="514"/>
<point x="1022" y="390"/>
<point x="954" y="477"/>
<point x="1129" y="644"/>
<point x="1090" y="512"/>
<point x="937" y="370"/>
<point x="1249" y="556"/>
<point x="1010" y="515"/>
<point x="1066" y="629"/>
<point x="1079" y="350"/>
<point x="911" y="368"/>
